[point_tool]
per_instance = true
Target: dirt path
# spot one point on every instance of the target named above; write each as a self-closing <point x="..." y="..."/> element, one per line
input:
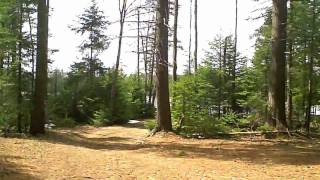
<point x="126" y="153"/>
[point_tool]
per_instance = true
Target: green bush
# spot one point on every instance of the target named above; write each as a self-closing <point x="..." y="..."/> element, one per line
<point x="230" y="119"/>
<point x="100" y="118"/>
<point x="265" y="128"/>
<point x="192" y="108"/>
<point x="67" y="122"/>
<point x="3" y="122"/>
<point x="150" y="124"/>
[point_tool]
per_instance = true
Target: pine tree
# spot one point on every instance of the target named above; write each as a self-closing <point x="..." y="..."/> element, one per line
<point x="38" y="118"/>
<point x="93" y="24"/>
<point x="278" y="83"/>
<point x="162" y="84"/>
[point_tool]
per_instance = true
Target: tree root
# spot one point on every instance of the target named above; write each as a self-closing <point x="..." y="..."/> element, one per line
<point x="154" y="131"/>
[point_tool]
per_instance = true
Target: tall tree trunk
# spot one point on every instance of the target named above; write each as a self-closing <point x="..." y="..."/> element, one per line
<point x="39" y="108"/>
<point x="1" y="62"/>
<point x="152" y="86"/>
<point x="289" y="73"/>
<point x="146" y="76"/>
<point x="224" y="65"/>
<point x="122" y="11"/>
<point x="138" y="45"/>
<point x="147" y="63"/>
<point x="19" y="79"/>
<point x="305" y="80"/>
<point x="32" y="49"/>
<point x="55" y="87"/>
<point x="311" y="70"/>
<point x="225" y="48"/>
<point x="234" y="63"/>
<point x="175" y="39"/>
<point x="268" y="97"/>
<point x="91" y="64"/>
<point x="163" y="103"/>
<point x="309" y="96"/>
<point x="190" y="38"/>
<point x="196" y="35"/>
<point x="278" y="66"/>
<point x="145" y="45"/>
<point x="220" y="77"/>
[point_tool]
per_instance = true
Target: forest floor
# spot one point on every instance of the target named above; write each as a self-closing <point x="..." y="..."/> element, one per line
<point x="124" y="152"/>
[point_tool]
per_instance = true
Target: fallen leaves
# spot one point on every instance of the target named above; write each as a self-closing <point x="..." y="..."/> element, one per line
<point x="125" y="153"/>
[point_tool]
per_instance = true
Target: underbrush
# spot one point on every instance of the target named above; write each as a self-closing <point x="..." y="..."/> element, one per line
<point x="150" y="124"/>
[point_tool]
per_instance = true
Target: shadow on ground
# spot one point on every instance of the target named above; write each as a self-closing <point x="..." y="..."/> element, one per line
<point x="10" y="170"/>
<point x="259" y="152"/>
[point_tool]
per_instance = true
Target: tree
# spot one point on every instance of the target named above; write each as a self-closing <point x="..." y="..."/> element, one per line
<point x="123" y="11"/>
<point x="175" y="39"/>
<point x="190" y="38"/>
<point x="92" y="24"/>
<point x="19" y="77"/>
<point x="311" y="82"/>
<point x="195" y="35"/>
<point x="234" y="63"/>
<point x="39" y="109"/>
<point x="138" y="44"/>
<point x="162" y="84"/>
<point x="261" y="64"/>
<point x="290" y="69"/>
<point x="278" y="66"/>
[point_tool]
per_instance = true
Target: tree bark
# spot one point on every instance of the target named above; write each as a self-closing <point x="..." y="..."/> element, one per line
<point x="220" y="77"/>
<point x="152" y="86"/>
<point x="190" y="38"/>
<point x="123" y="12"/>
<point x="163" y="103"/>
<point x="175" y="39"/>
<point x="278" y="66"/>
<point x="55" y="87"/>
<point x="32" y="49"/>
<point x="289" y="75"/>
<point x="39" y="109"/>
<point x="305" y="80"/>
<point x="1" y="61"/>
<point x="234" y="63"/>
<point x="224" y="63"/>
<point x="138" y="46"/>
<point x="196" y="36"/>
<point x="145" y="47"/>
<point x="19" y="79"/>
<point x="311" y="70"/>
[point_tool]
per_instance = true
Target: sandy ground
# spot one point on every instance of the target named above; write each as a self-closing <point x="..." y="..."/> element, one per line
<point x="125" y="153"/>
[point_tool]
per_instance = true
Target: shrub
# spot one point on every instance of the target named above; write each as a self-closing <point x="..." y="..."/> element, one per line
<point x="100" y="118"/>
<point x="150" y="124"/>
<point x="230" y="119"/>
<point x="265" y="128"/>
<point x="193" y="110"/>
<point x="67" y="122"/>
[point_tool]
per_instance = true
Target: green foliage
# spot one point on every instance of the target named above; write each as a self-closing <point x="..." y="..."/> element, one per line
<point x="150" y="124"/>
<point x="92" y="26"/>
<point x="100" y="118"/>
<point x="92" y="23"/>
<point x="201" y="102"/>
<point x="87" y="99"/>
<point x="230" y="119"/>
<point x="8" y="107"/>
<point x="193" y="110"/>
<point x="265" y="128"/>
<point x="64" y="122"/>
